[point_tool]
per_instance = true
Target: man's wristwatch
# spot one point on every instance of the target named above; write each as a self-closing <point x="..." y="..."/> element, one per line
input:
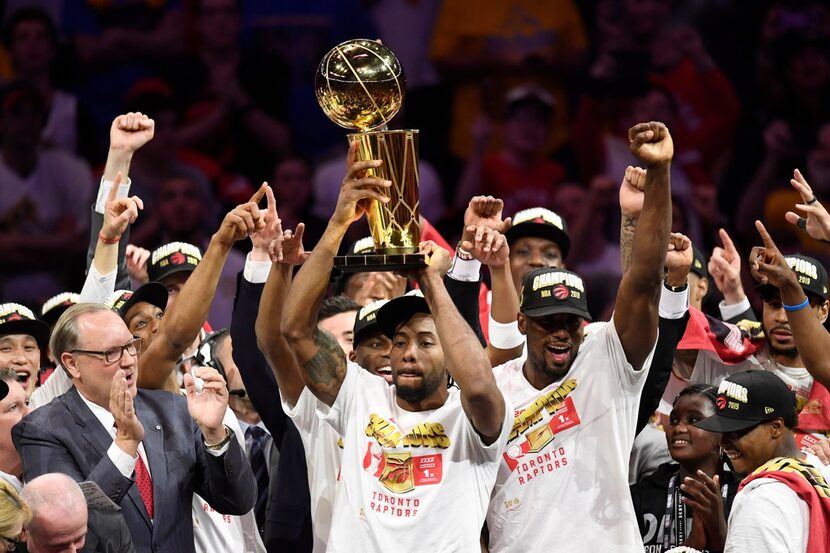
<point x="223" y="443"/>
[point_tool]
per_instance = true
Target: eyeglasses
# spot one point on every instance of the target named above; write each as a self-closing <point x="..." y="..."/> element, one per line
<point x="11" y="543"/>
<point x="113" y="355"/>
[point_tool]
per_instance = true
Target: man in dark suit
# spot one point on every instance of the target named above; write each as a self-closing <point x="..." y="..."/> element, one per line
<point x="106" y="431"/>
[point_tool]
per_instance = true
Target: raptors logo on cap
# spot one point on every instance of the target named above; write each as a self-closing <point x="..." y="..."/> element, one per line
<point x="177" y="258"/>
<point x="721" y="402"/>
<point x="561" y="292"/>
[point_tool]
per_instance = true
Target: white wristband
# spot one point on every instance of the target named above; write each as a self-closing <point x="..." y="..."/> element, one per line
<point x="505" y="335"/>
<point x="464" y="270"/>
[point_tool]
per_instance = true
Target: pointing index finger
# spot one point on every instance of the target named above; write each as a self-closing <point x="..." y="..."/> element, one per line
<point x="728" y="245"/>
<point x="259" y="193"/>
<point x="767" y="239"/>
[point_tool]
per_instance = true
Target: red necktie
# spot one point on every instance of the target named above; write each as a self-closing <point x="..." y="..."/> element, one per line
<point x="145" y="485"/>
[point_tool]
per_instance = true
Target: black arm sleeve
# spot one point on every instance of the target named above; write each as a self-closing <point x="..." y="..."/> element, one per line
<point x="260" y="383"/>
<point x="670" y="333"/>
<point x="122" y="279"/>
<point x="465" y="297"/>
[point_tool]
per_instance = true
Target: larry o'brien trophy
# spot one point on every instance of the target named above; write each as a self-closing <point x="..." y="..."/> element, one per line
<point x="360" y="86"/>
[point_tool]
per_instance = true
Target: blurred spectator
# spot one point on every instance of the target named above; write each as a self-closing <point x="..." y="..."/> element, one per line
<point x="294" y="192"/>
<point x="44" y="197"/>
<point x="164" y="157"/>
<point x="485" y="52"/>
<point x="518" y="173"/>
<point x="31" y="38"/>
<point x="299" y="33"/>
<point x="116" y="43"/>
<point x="234" y="98"/>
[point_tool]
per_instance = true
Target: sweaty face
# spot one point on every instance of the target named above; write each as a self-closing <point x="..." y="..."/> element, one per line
<point x="688" y="443"/>
<point x="20" y="353"/>
<point x="529" y="253"/>
<point x="341" y="326"/>
<point x="13" y="408"/>
<point x="373" y="354"/>
<point x="143" y="320"/>
<point x="91" y="374"/>
<point x="749" y="449"/>
<point x="552" y="343"/>
<point x="418" y="366"/>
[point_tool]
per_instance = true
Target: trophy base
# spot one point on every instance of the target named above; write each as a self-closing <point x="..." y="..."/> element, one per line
<point x="379" y="262"/>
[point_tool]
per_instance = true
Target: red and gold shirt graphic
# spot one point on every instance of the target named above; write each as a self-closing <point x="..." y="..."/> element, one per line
<point x="402" y="471"/>
<point x="536" y="426"/>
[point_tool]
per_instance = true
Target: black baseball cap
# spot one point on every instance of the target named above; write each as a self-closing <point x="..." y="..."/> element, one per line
<point x="699" y="263"/>
<point x="538" y="222"/>
<point x="812" y="276"/>
<point x="365" y="321"/>
<point x="121" y="301"/>
<point x="399" y="310"/>
<point x="550" y="291"/>
<point x="748" y="398"/>
<point x="54" y="307"/>
<point x="19" y="319"/>
<point x="175" y="257"/>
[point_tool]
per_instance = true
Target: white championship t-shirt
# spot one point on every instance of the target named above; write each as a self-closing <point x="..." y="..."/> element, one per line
<point x="323" y="453"/>
<point x="410" y="481"/>
<point x="563" y="480"/>
<point x="768" y="517"/>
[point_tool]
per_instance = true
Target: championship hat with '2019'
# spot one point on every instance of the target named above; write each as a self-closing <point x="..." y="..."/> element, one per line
<point x="550" y="291"/>
<point x="749" y="398"/>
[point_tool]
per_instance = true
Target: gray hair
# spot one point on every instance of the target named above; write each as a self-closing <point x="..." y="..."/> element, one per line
<point x="66" y="334"/>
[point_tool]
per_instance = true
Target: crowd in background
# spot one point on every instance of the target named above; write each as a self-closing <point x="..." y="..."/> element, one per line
<point x="230" y="85"/>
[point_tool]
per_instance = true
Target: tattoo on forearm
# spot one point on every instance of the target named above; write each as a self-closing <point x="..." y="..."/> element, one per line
<point x="629" y="224"/>
<point x="329" y="360"/>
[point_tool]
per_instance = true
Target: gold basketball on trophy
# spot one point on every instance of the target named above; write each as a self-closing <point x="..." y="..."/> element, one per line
<point x="360" y="86"/>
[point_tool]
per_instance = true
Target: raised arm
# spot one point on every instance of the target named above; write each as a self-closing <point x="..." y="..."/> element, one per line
<point x="635" y="311"/>
<point x="490" y="248"/>
<point x="631" y="205"/>
<point x="321" y="358"/>
<point x="181" y="324"/>
<point x="128" y="133"/>
<point x="811" y="339"/>
<point x="466" y="361"/>
<point x="288" y="252"/>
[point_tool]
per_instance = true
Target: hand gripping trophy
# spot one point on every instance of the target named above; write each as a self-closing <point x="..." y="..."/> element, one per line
<point x="360" y="86"/>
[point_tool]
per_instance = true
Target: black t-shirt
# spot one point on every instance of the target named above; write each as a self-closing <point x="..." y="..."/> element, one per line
<point x="650" y="495"/>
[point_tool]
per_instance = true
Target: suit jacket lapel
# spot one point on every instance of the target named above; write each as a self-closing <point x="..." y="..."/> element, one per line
<point x="94" y="433"/>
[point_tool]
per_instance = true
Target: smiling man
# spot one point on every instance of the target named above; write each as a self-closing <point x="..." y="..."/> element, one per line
<point x="22" y="337"/>
<point x="148" y="450"/>
<point x="783" y="505"/>
<point x="576" y="396"/>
